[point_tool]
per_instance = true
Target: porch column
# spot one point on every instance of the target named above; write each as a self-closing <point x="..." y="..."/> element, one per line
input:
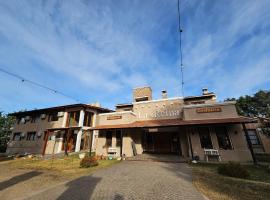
<point x="189" y="142"/>
<point x="95" y="133"/>
<point x="81" y="118"/>
<point x="78" y="141"/>
<point x="79" y="134"/>
<point x="64" y="122"/>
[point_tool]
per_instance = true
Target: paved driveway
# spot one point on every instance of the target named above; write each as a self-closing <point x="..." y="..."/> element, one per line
<point x="128" y="180"/>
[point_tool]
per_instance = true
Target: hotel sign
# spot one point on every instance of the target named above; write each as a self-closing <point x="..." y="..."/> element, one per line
<point x="208" y="110"/>
<point x="114" y="117"/>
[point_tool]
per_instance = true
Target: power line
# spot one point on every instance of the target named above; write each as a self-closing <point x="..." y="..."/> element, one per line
<point x="37" y="84"/>
<point x="180" y="46"/>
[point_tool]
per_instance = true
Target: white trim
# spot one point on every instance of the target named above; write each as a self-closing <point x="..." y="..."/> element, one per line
<point x="158" y="100"/>
<point x="117" y="113"/>
<point x="210" y="104"/>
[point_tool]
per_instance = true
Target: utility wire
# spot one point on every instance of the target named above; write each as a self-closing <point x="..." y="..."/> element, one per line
<point x="180" y="46"/>
<point x="37" y="84"/>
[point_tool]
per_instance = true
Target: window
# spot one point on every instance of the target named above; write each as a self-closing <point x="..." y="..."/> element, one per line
<point x="205" y="137"/>
<point x="31" y="136"/>
<point x="253" y="137"/>
<point x="73" y="118"/>
<point x="109" y="138"/>
<point x="87" y="119"/>
<point x="33" y="119"/>
<point x="223" y="137"/>
<point x="118" y="138"/>
<point x="53" y="117"/>
<point x="17" y="137"/>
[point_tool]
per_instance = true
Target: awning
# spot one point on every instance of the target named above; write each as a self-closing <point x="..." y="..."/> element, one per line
<point x="176" y="122"/>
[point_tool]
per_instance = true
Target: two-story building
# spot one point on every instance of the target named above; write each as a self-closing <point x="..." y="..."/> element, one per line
<point x="187" y="127"/>
<point x="55" y="130"/>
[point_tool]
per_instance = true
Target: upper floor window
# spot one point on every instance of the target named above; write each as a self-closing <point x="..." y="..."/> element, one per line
<point x="73" y="118"/>
<point x="31" y="136"/>
<point x="254" y="139"/>
<point x="33" y="119"/>
<point x="53" y="116"/>
<point x="223" y="138"/>
<point x="17" y="137"/>
<point x="88" y="119"/>
<point x="205" y="138"/>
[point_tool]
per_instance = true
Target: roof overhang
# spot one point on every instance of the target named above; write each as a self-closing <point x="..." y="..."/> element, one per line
<point x="176" y="122"/>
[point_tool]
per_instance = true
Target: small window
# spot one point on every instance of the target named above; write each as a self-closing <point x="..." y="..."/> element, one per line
<point x="17" y="137"/>
<point x="31" y="136"/>
<point x="118" y="138"/>
<point x="224" y="141"/>
<point x="73" y="118"/>
<point x="254" y="139"/>
<point x="109" y="138"/>
<point x="205" y="138"/>
<point x="53" y="117"/>
<point x="33" y="119"/>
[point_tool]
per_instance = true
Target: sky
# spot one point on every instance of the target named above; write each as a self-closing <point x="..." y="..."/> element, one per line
<point x="99" y="50"/>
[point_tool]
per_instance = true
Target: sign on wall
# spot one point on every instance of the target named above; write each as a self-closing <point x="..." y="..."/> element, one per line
<point x="114" y="117"/>
<point x="208" y="110"/>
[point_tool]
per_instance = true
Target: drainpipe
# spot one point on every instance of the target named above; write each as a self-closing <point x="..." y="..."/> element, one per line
<point x="249" y="144"/>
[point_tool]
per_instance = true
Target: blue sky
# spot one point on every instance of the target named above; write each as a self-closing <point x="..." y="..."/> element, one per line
<point x="98" y="50"/>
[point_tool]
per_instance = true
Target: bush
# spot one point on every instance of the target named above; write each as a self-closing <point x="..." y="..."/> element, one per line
<point x="233" y="169"/>
<point x="89" y="162"/>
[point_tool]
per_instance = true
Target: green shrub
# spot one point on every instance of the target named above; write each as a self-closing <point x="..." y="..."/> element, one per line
<point x="89" y="162"/>
<point x="263" y="157"/>
<point x="233" y="169"/>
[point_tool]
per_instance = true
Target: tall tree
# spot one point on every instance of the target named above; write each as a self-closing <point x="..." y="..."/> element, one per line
<point x="6" y="122"/>
<point x="254" y="106"/>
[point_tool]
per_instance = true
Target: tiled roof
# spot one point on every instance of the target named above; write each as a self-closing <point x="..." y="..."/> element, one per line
<point x="176" y="122"/>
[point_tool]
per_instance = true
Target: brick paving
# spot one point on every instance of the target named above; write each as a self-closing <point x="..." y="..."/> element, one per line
<point x="129" y="180"/>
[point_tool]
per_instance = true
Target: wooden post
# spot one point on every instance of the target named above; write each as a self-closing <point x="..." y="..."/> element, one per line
<point x="45" y="142"/>
<point x="65" y="144"/>
<point x="90" y="142"/>
<point x="190" y="144"/>
<point x="249" y="144"/>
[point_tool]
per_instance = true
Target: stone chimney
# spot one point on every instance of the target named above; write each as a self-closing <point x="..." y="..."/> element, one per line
<point x="205" y="91"/>
<point x="164" y="94"/>
<point x="142" y="94"/>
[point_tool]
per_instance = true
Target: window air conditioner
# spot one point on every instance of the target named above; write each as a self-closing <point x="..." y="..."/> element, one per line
<point x="27" y="118"/>
<point x="60" y="114"/>
<point x="43" y="116"/>
<point x="22" y="120"/>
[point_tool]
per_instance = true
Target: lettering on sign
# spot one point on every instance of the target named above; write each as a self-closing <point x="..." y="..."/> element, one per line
<point x="114" y="117"/>
<point x="160" y="114"/>
<point x="208" y="110"/>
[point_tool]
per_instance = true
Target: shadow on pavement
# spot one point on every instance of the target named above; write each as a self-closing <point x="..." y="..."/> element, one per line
<point x="17" y="179"/>
<point x="81" y="188"/>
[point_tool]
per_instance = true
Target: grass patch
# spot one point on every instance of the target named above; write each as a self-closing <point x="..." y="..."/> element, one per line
<point x="66" y="166"/>
<point x="219" y="187"/>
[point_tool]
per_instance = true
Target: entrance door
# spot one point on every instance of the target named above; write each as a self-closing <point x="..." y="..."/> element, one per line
<point x="161" y="142"/>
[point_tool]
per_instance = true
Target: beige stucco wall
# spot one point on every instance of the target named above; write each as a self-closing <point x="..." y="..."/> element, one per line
<point x="240" y="151"/>
<point x="228" y="110"/>
<point x="35" y="146"/>
<point x="126" y="118"/>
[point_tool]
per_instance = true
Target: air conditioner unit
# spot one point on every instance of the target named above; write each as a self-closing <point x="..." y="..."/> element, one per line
<point x="22" y="120"/>
<point x="27" y="118"/>
<point x="39" y="134"/>
<point x="60" y="114"/>
<point x="42" y="116"/>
